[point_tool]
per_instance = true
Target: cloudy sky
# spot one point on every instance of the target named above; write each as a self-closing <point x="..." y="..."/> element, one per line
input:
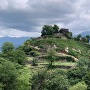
<point x="25" y="18"/>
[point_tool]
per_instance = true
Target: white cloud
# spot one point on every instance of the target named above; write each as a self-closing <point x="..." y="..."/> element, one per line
<point x="30" y="15"/>
<point x="14" y="4"/>
<point x="9" y="32"/>
<point x="3" y="4"/>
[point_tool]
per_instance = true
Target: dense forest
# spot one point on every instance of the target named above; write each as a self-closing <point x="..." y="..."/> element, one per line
<point x="54" y="61"/>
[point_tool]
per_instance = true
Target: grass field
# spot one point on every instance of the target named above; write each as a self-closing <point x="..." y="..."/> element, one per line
<point x="44" y="64"/>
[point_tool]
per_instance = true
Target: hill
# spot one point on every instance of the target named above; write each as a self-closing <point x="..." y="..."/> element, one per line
<point x="64" y="54"/>
<point x="68" y="51"/>
<point x="54" y="61"/>
<point x="60" y="44"/>
<point x="85" y="33"/>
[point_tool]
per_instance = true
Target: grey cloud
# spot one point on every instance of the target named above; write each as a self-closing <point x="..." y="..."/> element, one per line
<point x="28" y="15"/>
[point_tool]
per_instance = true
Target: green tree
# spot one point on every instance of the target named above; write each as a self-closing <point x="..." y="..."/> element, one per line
<point x="84" y="64"/>
<point x="88" y="38"/>
<point x="69" y="35"/>
<point x="34" y="53"/>
<point x="75" y="38"/>
<point x="51" y="57"/>
<point x="56" y="28"/>
<point x="79" y="37"/>
<point x="49" y="80"/>
<point x="79" y="86"/>
<point x="76" y="75"/>
<point x="23" y="79"/>
<point x="58" y="82"/>
<point x="20" y="57"/>
<point x="7" y="47"/>
<point x="47" y="30"/>
<point x="34" y="62"/>
<point x="1" y="86"/>
<point x="87" y="79"/>
<point x="38" y="80"/>
<point x="84" y="39"/>
<point x="8" y="74"/>
<point x="17" y="56"/>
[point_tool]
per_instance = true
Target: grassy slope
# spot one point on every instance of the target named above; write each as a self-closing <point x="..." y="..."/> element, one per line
<point x="61" y="44"/>
<point x="27" y="72"/>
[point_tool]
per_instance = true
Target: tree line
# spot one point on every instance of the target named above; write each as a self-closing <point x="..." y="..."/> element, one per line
<point x="50" y="30"/>
<point x="81" y="38"/>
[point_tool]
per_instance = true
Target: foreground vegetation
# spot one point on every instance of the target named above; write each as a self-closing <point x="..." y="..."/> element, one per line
<point x="46" y="63"/>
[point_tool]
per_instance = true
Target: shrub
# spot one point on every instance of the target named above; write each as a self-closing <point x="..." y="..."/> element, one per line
<point x="84" y="63"/>
<point x="87" y="79"/>
<point x="38" y="81"/>
<point x="17" y="56"/>
<point x="51" y="57"/>
<point x="49" y="80"/>
<point x="34" y="62"/>
<point x="8" y="74"/>
<point x="76" y="75"/>
<point x="79" y="86"/>
<point x="73" y="53"/>
<point x="27" y="49"/>
<point x="7" y="47"/>
<point x="66" y="58"/>
<point x="20" y="57"/>
<point x="57" y="82"/>
<point x="34" y="53"/>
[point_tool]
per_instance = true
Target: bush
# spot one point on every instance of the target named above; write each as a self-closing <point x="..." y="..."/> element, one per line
<point x="27" y="49"/>
<point x="34" y="53"/>
<point x="66" y="58"/>
<point x="22" y="82"/>
<point x="87" y="79"/>
<point x="20" y="57"/>
<point x="38" y="81"/>
<point x="79" y="86"/>
<point x="76" y="75"/>
<point x="7" y="47"/>
<point x="34" y="62"/>
<point x="58" y="82"/>
<point x="73" y="53"/>
<point x="49" y="80"/>
<point x="51" y="57"/>
<point x="8" y="74"/>
<point x="17" y="56"/>
<point x="84" y="63"/>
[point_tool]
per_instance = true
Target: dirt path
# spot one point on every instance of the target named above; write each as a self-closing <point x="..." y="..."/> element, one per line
<point x="62" y="54"/>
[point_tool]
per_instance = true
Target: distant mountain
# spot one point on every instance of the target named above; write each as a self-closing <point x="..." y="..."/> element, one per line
<point x="16" y="41"/>
<point x="85" y="33"/>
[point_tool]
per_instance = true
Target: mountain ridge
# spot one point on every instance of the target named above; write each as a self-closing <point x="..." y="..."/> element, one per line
<point x="85" y="33"/>
<point x="16" y="41"/>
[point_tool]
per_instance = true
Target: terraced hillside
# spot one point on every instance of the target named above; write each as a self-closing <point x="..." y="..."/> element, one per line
<point x="68" y="51"/>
